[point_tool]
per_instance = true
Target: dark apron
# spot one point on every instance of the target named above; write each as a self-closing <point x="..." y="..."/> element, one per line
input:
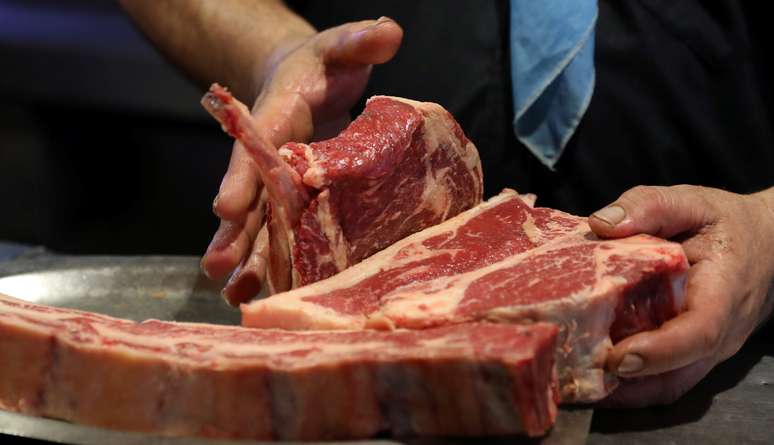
<point x="682" y="93"/>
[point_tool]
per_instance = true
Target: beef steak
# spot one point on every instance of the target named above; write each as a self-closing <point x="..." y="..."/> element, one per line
<point x="232" y="382"/>
<point x="400" y="167"/>
<point x="503" y="261"/>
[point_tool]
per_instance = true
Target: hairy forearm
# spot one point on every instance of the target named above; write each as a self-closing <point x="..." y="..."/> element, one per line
<point x="228" y="41"/>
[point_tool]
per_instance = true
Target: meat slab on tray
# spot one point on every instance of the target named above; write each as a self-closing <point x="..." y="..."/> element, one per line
<point x="398" y="168"/>
<point x="477" y="325"/>
<point x="232" y="382"/>
<point x="503" y="261"/>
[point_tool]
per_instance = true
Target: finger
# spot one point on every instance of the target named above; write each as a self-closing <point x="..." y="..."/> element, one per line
<point x="363" y="43"/>
<point x="286" y="112"/>
<point x="228" y="247"/>
<point x="691" y="336"/>
<point x="239" y="186"/>
<point x="661" y="389"/>
<point x="247" y="281"/>
<point x="659" y="211"/>
<point x="226" y="251"/>
<point x="256" y="217"/>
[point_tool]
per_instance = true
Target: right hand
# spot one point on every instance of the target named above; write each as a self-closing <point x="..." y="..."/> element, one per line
<point x="310" y="85"/>
<point x="728" y="239"/>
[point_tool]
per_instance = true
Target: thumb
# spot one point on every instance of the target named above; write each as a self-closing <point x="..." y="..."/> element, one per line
<point x="659" y="211"/>
<point x="362" y="43"/>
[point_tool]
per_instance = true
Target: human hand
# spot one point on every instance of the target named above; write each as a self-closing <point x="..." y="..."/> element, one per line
<point x="729" y="240"/>
<point x="310" y="85"/>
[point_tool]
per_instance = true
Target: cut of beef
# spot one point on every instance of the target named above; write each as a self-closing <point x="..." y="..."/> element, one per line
<point x="400" y="167"/>
<point x="218" y="381"/>
<point x="503" y="261"/>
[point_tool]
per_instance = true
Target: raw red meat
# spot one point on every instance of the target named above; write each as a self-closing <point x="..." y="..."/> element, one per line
<point x="507" y="262"/>
<point x="231" y="382"/>
<point x="459" y="329"/>
<point x="400" y="167"/>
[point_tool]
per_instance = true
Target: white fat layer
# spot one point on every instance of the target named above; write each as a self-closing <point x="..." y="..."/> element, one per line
<point x="295" y="277"/>
<point x="332" y="231"/>
<point x="534" y="234"/>
<point x="285" y="153"/>
<point x="219" y="347"/>
<point x="529" y="199"/>
<point x="471" y="158"/>
<point x="315" y="174"/>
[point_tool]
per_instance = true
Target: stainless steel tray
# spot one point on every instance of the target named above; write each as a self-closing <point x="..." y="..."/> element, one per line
<point x="165" y="288"/>
<point x="137" y="288"/>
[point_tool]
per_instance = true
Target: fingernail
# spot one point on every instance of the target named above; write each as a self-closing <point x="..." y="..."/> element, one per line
<point x="379" y="22"/>
<point x="630" y="364"/>
<point x="611" y="215"/>
<point x="364" y="31"/>
<point x="215" y="204"/>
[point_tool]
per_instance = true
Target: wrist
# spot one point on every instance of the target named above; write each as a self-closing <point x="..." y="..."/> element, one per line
<point x="766" y="200"/>
<point x="292" y="35"/>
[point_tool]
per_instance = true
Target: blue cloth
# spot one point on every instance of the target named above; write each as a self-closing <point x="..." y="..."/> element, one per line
<point x="552" y="71"/>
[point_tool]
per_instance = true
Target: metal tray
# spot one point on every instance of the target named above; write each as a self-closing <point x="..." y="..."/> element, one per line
<point x="165" y="288"/>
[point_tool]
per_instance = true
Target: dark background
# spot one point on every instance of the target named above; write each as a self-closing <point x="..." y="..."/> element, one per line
<point x="103" y="145"/>
<point x="105" y="149"/>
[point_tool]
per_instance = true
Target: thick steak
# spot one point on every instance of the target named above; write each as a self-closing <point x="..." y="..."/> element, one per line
<point x="398" y="168"/>
<point x="507" y="262"/>
<point x="233" y="382"/>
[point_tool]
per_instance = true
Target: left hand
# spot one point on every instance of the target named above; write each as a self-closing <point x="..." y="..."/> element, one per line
<point x="729" y="241"/>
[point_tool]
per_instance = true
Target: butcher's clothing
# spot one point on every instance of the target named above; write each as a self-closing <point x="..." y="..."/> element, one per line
<point x="682" y="93"/>
<point x="552" y="71"/>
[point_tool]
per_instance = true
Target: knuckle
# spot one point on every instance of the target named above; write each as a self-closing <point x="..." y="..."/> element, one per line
<point x="637" y="192"/>
<point x="646" y="194"/>
<point x="699" y="198"/>
<point x="648" y="201"/>
<point x="687" y="188"/>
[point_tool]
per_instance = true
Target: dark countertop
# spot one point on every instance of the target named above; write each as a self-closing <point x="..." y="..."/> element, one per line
<point x="734" y="404"/>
